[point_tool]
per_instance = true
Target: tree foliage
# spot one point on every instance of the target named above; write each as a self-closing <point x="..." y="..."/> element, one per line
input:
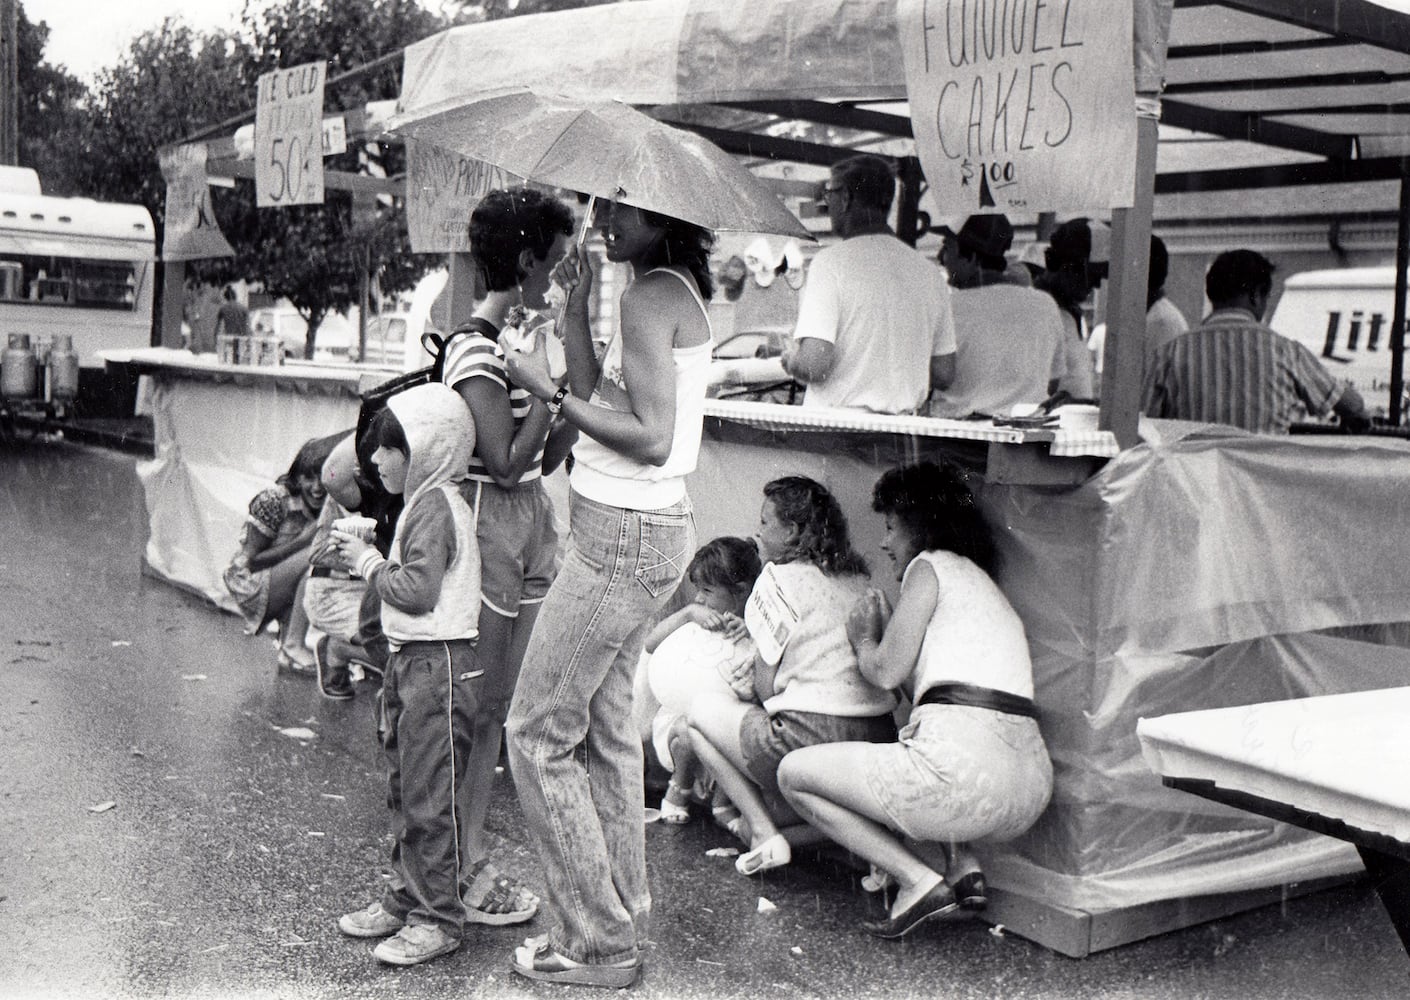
<point x="315" y="255"/>
<point x="50" y="111"/>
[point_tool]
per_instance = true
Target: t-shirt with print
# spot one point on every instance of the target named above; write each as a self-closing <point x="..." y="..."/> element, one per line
<point x="797" y="616"/>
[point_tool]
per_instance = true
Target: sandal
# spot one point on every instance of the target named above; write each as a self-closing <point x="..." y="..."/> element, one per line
<point x="546" y="965"/>
<point x="672" y="813"/>
<point x="732" y="820"/>
<point x="772" y="853"/>
<point x="504" y="900"/>
<point x="878" y="880"/>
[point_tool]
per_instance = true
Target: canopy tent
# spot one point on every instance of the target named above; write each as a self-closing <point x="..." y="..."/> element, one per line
<point x="1258" y="94"/>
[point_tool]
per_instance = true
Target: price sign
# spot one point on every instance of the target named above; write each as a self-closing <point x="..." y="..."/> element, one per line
<point x="289" y="137"/>
<point x="1021" y="105"/>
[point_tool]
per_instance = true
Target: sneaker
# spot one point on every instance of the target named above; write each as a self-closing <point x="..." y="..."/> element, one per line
<point x="373" y="922"/>
<point x="414" y="944"/>
<point x="333" y="681"/>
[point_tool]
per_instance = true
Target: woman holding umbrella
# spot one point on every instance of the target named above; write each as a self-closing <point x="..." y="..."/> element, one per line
<point x="639" y="411"/>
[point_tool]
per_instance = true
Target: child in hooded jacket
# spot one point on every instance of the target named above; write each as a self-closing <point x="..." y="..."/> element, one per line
<point x="429" y="585"/>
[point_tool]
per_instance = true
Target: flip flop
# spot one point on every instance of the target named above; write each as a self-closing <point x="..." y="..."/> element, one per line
<point x="546" y="965"/>
<point x="772" y="853"/>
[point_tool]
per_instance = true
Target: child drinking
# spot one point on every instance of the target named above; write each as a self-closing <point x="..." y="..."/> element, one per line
<point x="430" y="590"/>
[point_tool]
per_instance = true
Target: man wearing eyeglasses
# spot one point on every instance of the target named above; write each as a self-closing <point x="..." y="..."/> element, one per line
<point x="1076" y="259"/>
<point x="874" y="330"/>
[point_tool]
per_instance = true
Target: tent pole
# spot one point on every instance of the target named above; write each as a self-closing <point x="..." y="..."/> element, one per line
<point x="1123" y="360"/>
<point x="907" y="210"/>
<point x="1397" y="342"/>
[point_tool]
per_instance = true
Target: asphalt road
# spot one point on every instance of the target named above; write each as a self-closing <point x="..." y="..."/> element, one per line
<point x="178" y="820"/>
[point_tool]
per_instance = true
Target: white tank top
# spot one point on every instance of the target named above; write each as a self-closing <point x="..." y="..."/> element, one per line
<point x="608" y="476"/>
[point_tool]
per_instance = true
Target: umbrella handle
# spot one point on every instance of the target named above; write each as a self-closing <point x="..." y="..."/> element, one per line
<point x="577" y="247"/>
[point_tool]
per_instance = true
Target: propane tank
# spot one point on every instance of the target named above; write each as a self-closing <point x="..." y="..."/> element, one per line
<point x="19" y="369"/>
<point x="63" y="369"/>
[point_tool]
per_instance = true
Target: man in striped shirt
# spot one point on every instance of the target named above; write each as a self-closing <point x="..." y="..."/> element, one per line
<point x="1231" y="369"/>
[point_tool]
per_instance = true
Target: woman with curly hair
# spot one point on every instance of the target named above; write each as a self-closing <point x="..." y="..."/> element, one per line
<point x="971" y="763"/>
<point x="806" y="675"/>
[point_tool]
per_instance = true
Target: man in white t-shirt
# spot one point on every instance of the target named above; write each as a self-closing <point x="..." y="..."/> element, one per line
<point x="874" y="326"/>
<point x="1009" y="338"/>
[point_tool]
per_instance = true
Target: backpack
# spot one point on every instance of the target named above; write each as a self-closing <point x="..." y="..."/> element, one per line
<point x="377" y="502"/>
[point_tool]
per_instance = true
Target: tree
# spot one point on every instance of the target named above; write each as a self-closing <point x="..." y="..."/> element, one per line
<point x="50" y="113"/>
<point x="171" y="82"/>
<point x="316" y="255"/>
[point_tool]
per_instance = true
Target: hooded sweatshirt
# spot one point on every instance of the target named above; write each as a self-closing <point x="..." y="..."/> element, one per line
<point x="430" y="582"/>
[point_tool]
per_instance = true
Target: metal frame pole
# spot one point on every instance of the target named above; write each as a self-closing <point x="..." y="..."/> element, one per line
<point x="1397" y="340"/>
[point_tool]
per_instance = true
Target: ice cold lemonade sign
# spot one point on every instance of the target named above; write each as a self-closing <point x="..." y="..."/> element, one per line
<point x="1022" y="105"/>
<point x="289" y="137"/>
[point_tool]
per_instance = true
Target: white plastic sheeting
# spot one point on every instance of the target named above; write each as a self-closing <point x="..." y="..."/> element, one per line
<point x="222" y="435"/>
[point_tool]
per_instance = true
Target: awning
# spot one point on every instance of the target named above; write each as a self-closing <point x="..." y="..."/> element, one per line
<point x="40" y="245"/>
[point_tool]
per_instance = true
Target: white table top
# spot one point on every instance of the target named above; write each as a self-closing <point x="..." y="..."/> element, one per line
<point x="1343" y="756"/>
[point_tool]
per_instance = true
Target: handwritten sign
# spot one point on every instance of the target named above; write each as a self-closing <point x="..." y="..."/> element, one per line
<point x="442" y="189"/>
<point x="289" y="137"/>
<point x="191" y="231"/>
<point x="1022" y="105"/>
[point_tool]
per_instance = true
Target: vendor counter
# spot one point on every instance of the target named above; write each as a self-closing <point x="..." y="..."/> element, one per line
<point x="222" y="433"/>
<point x="1201" y="569"/>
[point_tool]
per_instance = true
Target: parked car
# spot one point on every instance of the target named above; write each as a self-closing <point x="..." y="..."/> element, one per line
<point x="335" y="341"/>
<point x="390" y="344"/>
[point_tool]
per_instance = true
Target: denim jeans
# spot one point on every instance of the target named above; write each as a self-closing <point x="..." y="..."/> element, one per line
<point x="584" y="807"/>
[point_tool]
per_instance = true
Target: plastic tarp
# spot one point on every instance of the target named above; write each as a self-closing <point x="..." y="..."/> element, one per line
<point x="220" y="439"/>
<point x="693" y="52"/>
<point x="1207" y="569"/>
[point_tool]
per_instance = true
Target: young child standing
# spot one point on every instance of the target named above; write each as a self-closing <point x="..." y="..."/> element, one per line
<point x="430" y="590"/>
<point x="702" y="647"/>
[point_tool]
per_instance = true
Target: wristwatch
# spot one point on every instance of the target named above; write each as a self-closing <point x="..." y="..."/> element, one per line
<point x="556" y="403"/>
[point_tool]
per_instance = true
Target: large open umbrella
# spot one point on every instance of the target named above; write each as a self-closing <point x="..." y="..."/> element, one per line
<point x="608" y="150"/>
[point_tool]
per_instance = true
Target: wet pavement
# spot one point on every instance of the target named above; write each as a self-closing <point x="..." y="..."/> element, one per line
<point x="179" y="820"/>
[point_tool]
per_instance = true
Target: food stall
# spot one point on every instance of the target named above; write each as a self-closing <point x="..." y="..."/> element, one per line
<point x="1158" y="567"/>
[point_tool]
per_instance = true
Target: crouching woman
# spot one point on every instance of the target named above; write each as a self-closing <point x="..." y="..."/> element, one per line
<point x="970" y="764"/>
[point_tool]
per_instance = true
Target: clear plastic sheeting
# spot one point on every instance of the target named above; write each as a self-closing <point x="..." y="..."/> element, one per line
<point x="1213" y="570"/>
<point x="1202" y="569"/>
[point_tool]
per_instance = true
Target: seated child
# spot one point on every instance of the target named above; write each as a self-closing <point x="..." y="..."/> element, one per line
<point x="429" y="585"/>
<point x="332" y="602"/>
<point x="703" y="646"/>
<point x="265" y="573"/>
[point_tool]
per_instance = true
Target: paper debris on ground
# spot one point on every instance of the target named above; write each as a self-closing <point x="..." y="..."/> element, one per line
<point x="102" y="807"/>
<point x="193" y="677"/>
<point x="796" y="950"/>
<point x="299" y="733"/>
<point x="121" y="642"/>
<point x="765" y="906"/>
<point x="997" y="930"/>
<point x="722" y="852"/>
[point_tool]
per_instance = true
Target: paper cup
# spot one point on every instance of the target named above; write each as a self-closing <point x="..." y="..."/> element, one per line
<point x="359" y="527"/>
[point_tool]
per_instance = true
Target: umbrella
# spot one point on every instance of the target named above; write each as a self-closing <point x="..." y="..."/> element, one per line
<point x="608" y="150"/>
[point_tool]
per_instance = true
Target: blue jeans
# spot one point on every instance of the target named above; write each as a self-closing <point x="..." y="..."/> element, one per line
<point x="584" y="807"/>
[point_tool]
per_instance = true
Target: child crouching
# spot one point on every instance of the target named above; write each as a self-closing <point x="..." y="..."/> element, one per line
<point x="430" y="591"/>
<point x="702" y="648"/>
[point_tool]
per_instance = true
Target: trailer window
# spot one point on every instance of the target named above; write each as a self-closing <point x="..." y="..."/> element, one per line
<point x="69" y="281"/>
